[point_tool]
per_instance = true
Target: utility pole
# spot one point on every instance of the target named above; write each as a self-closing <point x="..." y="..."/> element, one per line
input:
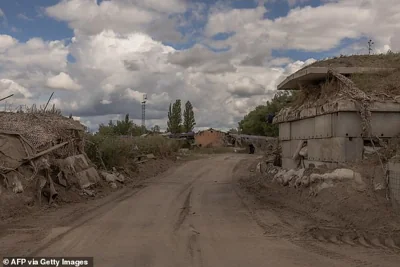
<point x="144" y="113"/>
<point x="370" y="43"/>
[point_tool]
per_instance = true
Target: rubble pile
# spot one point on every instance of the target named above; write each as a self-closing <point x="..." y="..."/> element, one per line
<point x="329" y="94"/>
<point x="40" y="152"/>
<point x="316" y="179"/>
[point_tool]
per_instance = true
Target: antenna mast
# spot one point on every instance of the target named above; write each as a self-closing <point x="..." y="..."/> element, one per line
<point x="144" y="113"/>
<point x="370" y="43"/>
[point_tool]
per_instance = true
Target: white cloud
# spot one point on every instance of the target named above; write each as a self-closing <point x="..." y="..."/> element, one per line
<point x="63" y="81"/>
<point x="311" y="28"/>
<point x="3" y="18"/>
<point x="35" y="53"/>
<point x="6" y="42"/>
<point x="122" y="16"/>
<point x="8" y="87"/>
<point x="24" y="17"/>
<point x="119" y="55"/>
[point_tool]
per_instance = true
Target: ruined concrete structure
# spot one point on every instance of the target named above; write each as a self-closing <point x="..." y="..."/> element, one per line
<point x="331" y="132"/>
<point x="210" y="138"/>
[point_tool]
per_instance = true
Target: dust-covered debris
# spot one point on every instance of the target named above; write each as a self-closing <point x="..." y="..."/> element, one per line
<point x="343" y="203"/>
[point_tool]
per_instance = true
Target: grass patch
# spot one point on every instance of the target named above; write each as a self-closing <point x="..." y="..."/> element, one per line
<point x="116" y="151"/>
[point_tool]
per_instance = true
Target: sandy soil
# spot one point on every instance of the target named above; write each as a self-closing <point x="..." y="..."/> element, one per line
<point x="192" y="215"/>
<point x="14" y="206"/>
<point x="339" y="213"/>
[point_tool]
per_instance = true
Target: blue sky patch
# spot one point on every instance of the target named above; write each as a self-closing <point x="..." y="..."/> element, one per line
<point x="26" y="19"/>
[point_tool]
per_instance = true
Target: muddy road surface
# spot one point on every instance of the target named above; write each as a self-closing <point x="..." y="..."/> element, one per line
<point x="193" y="215"/>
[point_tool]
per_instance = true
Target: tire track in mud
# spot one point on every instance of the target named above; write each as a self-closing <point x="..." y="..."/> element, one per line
<point x="194" y="248"/>
<point x="340" y="236"/>
<point x="185" y="210"/>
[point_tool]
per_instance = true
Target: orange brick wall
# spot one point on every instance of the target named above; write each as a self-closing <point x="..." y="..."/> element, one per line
<point x="210" y="138"/>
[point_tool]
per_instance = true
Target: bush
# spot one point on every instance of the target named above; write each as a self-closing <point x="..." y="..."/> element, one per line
<point x="117" y="151"/>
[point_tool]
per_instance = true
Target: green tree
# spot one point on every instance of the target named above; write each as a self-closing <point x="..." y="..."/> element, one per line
<point x="106" y="129"/>
<point x="255" y="122"/>
<point x="233" y="131"/>
<point x="124" y="127"/>
<point x="156" y="129"/>
<point x="188" y="118"/>
<point x="175" y="117"/>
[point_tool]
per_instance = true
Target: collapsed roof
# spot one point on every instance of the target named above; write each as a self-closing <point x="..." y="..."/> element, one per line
<point x="39" y="129"/>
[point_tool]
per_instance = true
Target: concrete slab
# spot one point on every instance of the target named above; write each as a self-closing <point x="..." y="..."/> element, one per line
<point x="308" y="112"/>
<point x="302" y="129"/>
<point x="88" y="177"/>
<point x="311" y="75"/>
<point x="336" y="149"/>
<point x="286" y="149"/>
<point x="385" y="124"/>
<point x="394" y="181"/>
<point x="284" y="131"/>
<point x="346" y="124"/>
<point x="323" y="126"/>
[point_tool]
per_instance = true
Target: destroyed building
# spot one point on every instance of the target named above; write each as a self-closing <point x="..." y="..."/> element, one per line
<point x="338" y="112"/>
<point x="39" y="148"/>
<point x="210" y="138"/>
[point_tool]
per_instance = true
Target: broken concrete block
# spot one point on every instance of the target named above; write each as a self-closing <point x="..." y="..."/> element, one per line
<point x="16" y="184"/>
<point x="113" y="185"/>
<point x="88" y="192"/>
<point x="109" y="177"/>
<point x="358" y="183"/>
<point x="87" y="177"/>
<point x="150" y="156"/>
<point x="338" y="174"/>
<point x="120" y="177"/>
<point x="78" y="162"/>
<point x="61" y="180"/>
<point x="184" y="151"/>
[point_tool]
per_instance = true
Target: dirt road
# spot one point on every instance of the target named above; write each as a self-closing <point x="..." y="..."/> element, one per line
<point x="194" y="216"/>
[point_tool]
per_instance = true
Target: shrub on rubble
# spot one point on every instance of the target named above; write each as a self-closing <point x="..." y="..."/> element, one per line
<point x="118" y="151"/>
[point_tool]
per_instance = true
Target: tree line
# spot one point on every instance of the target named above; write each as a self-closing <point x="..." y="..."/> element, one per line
<point x="122" y="127"/>
<point x="175" y="122"/>
<point x="255" y="123"/>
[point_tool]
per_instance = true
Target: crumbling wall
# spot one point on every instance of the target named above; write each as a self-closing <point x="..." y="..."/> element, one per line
<point x="210" y="138"/>
<point x="35" y="150"/>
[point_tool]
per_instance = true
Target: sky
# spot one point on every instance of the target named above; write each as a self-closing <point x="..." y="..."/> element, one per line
<point x="225" y="56"/>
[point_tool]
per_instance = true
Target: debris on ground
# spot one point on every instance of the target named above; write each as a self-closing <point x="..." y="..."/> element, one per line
<point x="42" y="158"/>
<point x="348" y="202"/>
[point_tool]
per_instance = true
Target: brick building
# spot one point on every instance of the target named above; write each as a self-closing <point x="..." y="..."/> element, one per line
<point x="210" y="138"/>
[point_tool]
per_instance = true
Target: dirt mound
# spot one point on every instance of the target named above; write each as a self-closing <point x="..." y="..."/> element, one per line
<point x="337" y="213"/>
<point x="40" y="130"/>
<point x="380" y="86"/>
<point x="389" y="60"/>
